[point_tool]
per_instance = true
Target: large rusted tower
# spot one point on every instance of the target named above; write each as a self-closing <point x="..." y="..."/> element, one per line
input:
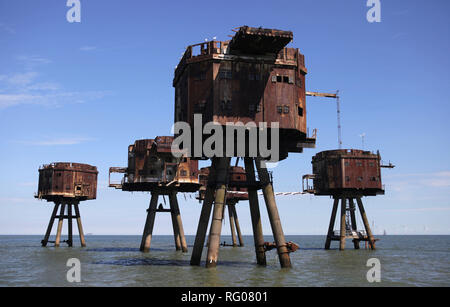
<point x="153" y="168"/>
<point x="66" y="184"/>
<point x="255" y="80"/>
<point x="346" y="175"/>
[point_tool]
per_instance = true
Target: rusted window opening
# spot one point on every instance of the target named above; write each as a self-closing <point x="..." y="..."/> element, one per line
<point x="300" y="111"/>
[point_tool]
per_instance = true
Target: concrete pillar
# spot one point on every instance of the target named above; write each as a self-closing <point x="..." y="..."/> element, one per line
<point x="275" y="222"/>
<point x="353" y="218"/>
<point x="238" y="227"/>
<point x="176" y="215"/>
<point x="332" y="220"/>
<point x="176" y="233"/>
<point x="343" y="230"/>
<point x="232" y="224"/>
<point x="255" y="214"/>
<point x="60" y="224"/>
<point x="366" y="223"/>
<point x="80" y="226"/>
<point x="216" y="224"/>
<point x="50" y="225"/>
<point x="69" y="225"/>
<point x="149" y="223"/>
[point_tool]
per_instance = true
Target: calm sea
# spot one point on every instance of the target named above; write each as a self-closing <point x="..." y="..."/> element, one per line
<point x="117" y="261"/>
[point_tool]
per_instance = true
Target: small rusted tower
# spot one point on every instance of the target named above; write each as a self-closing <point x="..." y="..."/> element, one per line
<point x="66" y="184"/>
<point x="236" y="192"/>
<point x="346" y="175"/>
<point x="253" y="80"/>
<point x="153" y="168"/>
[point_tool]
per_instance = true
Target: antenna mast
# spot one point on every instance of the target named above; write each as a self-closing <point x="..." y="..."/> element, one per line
<point x="338" y="108"/>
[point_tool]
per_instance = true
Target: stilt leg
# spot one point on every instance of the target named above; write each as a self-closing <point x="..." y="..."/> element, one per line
<point x="238" y="228"/>
<point x="60" y="224"/>
<point x="150" y="221"/>
<point x="80" y="226"/>
<point x="366" y="223"/>
<point x="204" y="217"/>
<point x="277" y="230"/>
<point x="232" y="228"/>
<point x="255" y="214"/>
<point x="219" y="202"/>
<point x="176" y="232"/>
<point x="332" y="220"/>
<point x="353" y="218"/>
<point x="50" y="225"/>
<point x="343" y="230"/>
<point x="69" y="225"/>
<point x="179" y="224"/>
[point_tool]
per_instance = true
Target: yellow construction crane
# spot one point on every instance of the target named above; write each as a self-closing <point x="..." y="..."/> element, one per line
<point x="336" y="96"/>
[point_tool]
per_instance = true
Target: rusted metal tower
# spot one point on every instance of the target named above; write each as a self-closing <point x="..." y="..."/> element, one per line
<point x="251" y="79"/>
<point x="236" y="192"/>
<point x="153" y="168"/>
<point x="346" y="175"/>
<point x="66" y="184"/>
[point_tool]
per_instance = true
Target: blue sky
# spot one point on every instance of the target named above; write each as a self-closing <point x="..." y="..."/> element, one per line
<point x="83" y="92"/>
